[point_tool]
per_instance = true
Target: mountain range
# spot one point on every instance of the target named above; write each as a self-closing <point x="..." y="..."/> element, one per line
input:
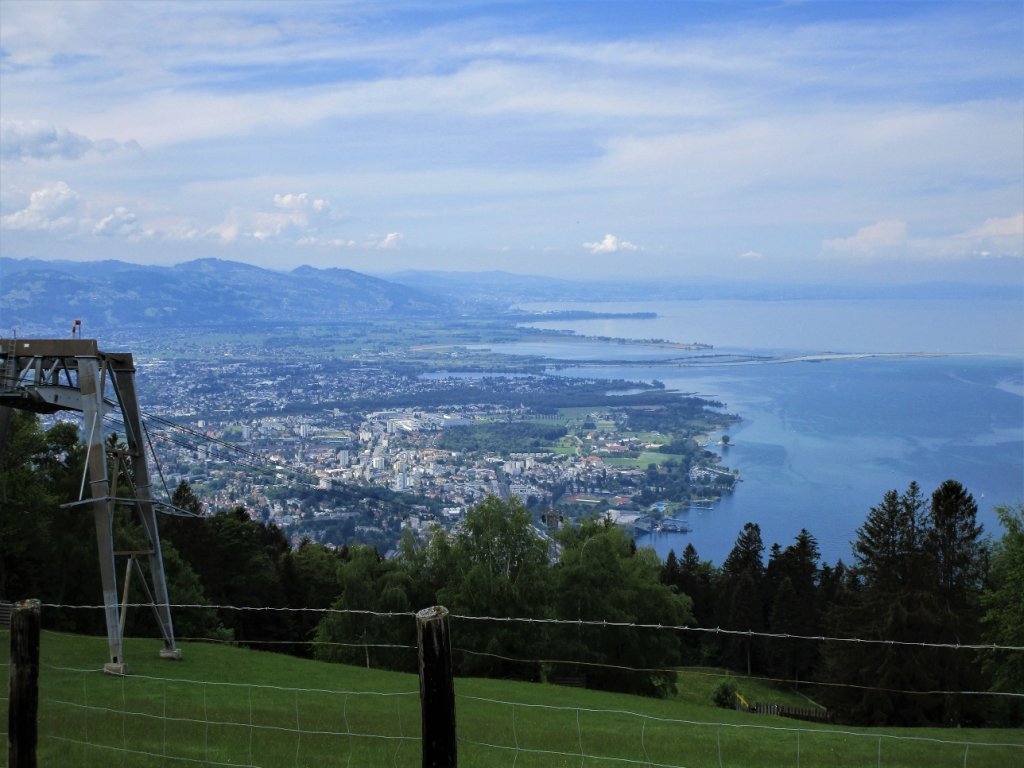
<point x="43" y="296"/>
<point x="37" y="295"/>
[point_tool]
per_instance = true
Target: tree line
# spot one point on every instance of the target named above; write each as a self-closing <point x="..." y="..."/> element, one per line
<point x="924" y="580"/>
<point x="922" y="572"/>
<point x="501" y="437"/>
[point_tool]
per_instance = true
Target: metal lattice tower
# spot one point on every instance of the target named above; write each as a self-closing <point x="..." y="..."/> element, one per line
<point x="50" y="375"/>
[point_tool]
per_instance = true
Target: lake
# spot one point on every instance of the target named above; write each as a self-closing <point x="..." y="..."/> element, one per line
<point x="883" y="325"/>
<point x="820" y="442"/>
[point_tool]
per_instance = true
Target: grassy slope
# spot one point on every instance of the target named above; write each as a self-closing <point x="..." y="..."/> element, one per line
<point x="225" y="705"/>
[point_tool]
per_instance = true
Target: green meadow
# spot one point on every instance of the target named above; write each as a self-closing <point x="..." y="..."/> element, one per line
<point x="229" y="706"/>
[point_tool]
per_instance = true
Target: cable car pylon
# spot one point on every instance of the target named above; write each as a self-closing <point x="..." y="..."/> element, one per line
<point x="51" y="375"/>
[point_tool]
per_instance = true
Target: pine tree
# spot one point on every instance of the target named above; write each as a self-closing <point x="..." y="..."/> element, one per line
<point x="670" y="570"/>
<point x="917" y="579"/>
<point x="697" y="580"/>
<point x="740" y="599"/>
<point x="892" y="599"/>
<point x="960" y="558"/>
<point x="796" y="611"/>
<point x="955" y="542"/>
<point x="785" y="619"/>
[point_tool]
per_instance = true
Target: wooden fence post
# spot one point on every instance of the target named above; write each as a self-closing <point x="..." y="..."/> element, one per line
<point x="23" y="702"/>
<point x="437" y="688"/>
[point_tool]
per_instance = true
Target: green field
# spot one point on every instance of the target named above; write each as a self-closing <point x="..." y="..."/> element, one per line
<point x="642" y="461"/>
<point x="230" y="706"/>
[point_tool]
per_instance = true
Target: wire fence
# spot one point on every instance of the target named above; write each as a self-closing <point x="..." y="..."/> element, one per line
<point x="178" y="720"/>
<point x="408" y="616"/>
<point x="603" y="624"/>
<point x="223" y="706"/>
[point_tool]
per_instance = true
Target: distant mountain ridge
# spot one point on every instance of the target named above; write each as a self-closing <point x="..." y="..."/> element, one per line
<point x="37" y="295"/>
<point x="43" y="297"/>
<point x="486" y="286"/>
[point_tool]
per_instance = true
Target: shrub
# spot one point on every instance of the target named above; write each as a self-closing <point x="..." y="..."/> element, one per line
<point x="725" y="695"/>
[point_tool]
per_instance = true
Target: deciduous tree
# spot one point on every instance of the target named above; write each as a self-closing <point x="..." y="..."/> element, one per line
<point x="1003" y="619"/>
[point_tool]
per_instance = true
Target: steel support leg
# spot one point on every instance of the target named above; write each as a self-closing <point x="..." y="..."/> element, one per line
<point x="123" y="370"/>
<point x="93" y="407"/>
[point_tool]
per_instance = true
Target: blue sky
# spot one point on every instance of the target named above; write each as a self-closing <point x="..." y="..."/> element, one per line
<point x="808" y="141"/>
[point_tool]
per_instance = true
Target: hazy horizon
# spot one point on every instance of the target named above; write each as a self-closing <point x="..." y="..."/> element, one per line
<point x="808" y="142"/>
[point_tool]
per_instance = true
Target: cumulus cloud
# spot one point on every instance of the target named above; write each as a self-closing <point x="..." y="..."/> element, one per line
<point x="610" y="244"/>
<point x="1011" y="226"/>
<point x="1001" y="237"/>
<point x="294" y="217"/>
<point x="171" y="228"/>
<point x="57" y="208"/>
<point x="50" y="208"/>
<point x="302" y="201"/>
<point x="274" y="226"/>
<point x="390" y="241"/>
<point x="39" y="140"/>
<point x="227" y="231"/>
<point x="121" y="222"/>
<point x="882" y="238"/>
<point x="996" y="237"/>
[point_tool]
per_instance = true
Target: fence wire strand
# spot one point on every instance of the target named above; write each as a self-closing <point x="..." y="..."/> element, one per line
<point x="602" y="624"/>
<point x="738" y="726"/>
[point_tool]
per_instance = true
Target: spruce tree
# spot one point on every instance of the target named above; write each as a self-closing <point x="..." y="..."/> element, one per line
<point x="740" y="599"/>
<point x="670" y="570"/>
<point x="892" y="599"/>
<point x="795" y="609"/>
<point x="697" y="580"/>
<point x="960" y="558"/>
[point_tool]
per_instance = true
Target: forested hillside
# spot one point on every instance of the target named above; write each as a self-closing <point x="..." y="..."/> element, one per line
<point x="923" y="581"/>
<point x="209" y="292"/>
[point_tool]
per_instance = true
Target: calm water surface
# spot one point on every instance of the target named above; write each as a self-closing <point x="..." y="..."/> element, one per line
<point x="972" y="326"/>
<point x="820" y="443"/>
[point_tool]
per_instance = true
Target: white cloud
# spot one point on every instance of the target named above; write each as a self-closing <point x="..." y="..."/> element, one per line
<point x="891" y="239"/>
<point x="302" y="201"/>
<point x="874" y="240"/>
<point x="1011" y="226"/>
<point x="1001" y="237"/>
<point x="748" y="127"/>
<point x="333" y="242"/>
<point x="754" y="255"/>
<point x="227" y="231"/>
<point x="295" y="218"/>
<point x="390" y="241"/>
<point x="121" y="223"/>
<point x="50" y="208"/>
<point x="59" y="209"/>
<point x="268" y="225"/>
<point x="610" y="244"/>
<point x="39" y="140"/>
<point x="172" y="228"/>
